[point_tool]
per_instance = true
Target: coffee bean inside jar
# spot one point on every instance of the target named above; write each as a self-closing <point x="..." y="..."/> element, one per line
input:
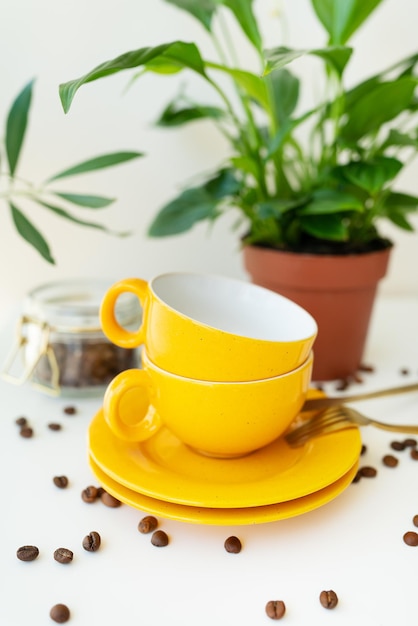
<point x="63" y="346"/>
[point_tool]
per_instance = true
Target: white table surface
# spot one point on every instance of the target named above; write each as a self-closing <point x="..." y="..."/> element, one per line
<point x="353" y="545"/>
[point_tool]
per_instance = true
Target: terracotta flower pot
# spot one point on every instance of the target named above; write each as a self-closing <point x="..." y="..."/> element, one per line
<point x="339" y="292"/>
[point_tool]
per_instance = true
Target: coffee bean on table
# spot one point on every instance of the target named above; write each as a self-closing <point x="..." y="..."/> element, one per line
<point x="411" y="538"/>
<point x="63" y="555"/>
<point x="368" y="472"/>
<point x="159" y="539"/>
<point x="233" y="545"/>
<point x="54" y="426"/>
<point x="92" y="541"/>
<point x="70" y="410"/>
<point x="397" y="445"/>
<point x="415" y="520"/>
<point x="328" y="599"/>
<point x="89" y="494"/>
<point x="414" y="454"/>
<point x="26" y="432"/>
<point x="109" y="500"/>
<point x="147" y="524"/>
<point x="21" y="421"/>
<point x="390" y="461"/>
<point x="60" y="613"/>
<point x="27" y="553"/>
<point x="410" y="442"/>
<point x="275" y="609"/>
<point x="60" y="481"/>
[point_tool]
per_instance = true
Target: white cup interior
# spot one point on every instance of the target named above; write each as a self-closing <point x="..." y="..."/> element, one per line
<point x="234" y="306"/>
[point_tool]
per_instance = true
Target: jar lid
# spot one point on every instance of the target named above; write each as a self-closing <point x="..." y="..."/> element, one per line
<point x="74" y="304"/>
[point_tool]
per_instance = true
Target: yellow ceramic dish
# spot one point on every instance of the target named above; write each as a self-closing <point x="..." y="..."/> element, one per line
<point x="213" y="327"/>
<point x="164" y="468"/>
<point x="203" y="515"/>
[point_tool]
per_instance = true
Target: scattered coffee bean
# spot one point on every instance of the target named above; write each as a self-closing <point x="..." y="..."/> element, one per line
<point x="397" y="445"/>
<point x="92" y="541"/>
<point x="60" y="613"/>
<point x="21" y="421"/>
<point x="404" y="371"/>
<point x="328" y="599"/>
<point x="410" y="442"/>
<point x="159" y="538"/>
<point x="89" y="494"/>
<point x="390" y="461"/>
<point x="233" y="545"/>
<point x="415" y="520"/>
<point x="60" y="481"/>
<point x="27" y="553"/>
<point x="70" y="410"/>
<point x="63" y="555"/>
<point x="26" y="432"/>
<point x="411" y="538"/>
<point x="363" y="367"/>
<point x="275" y="609"/>
<point x="109" y="500"/>
<point x="147" y="524"/>
<point x="414" y="454"/>
<point x="342" y="385"/>
<point x="363" y="449"/>
<point x="54" y="426"/>
<point x="368" y="472"/>
<point x="357" y="477"/>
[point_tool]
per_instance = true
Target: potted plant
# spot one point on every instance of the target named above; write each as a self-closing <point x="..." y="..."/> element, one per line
<point x="14" y="189"/>
<point x="311" y="186"/>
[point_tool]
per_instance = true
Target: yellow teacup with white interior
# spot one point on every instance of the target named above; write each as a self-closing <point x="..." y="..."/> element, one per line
<point x="212" y="327"/>
<point x="222" y="419"/>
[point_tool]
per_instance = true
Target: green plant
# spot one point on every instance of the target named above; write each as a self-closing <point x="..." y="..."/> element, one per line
<point x="15" y="189"/>
<point x="301" y="180"/>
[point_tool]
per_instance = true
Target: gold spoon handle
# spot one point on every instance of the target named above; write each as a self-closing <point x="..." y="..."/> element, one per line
<point x="319" y="403"/>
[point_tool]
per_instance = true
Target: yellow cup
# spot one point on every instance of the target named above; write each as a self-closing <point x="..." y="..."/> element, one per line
<point x="213" y="328"/>
<point x="222" y="419"/>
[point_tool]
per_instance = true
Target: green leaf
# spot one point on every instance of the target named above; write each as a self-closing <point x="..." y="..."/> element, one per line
<point x="378" y="106"/>
<point x="85" y="200"/>
<point x="284" y="92"/>
<point x="396" y="138"/>
<point x="326" y="201"/>
<point x="329" y="227"/>
<point x="341" y="18"/>
<point x="98" y="163"/>
<point x="373" y="175"/>
<point x="254" y="86"/>
<point x="175" y="115"/>
<point x="16" y="124"/>
<point x="398" y="218"/>
<point x="64" y="214"/>
<point x="401" y="201"/>
<point x="202" y="10"/>
<point x="181" y="214"/>
<point x="243" y="12"/>
<point x="30" y="233"/>
<point x="177" y="54"/>
<point x="336" y="56"/>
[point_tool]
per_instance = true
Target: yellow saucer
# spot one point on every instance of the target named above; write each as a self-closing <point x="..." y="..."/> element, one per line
<point x="164" y="468"/>
<point x="223" y="516"/>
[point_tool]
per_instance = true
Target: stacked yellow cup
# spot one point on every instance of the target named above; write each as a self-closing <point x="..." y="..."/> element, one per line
<point x="226" y="365"/>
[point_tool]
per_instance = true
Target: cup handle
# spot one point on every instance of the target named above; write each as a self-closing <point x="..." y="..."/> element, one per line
<point x="111" y="327"/>
<point x="128" y="397"/>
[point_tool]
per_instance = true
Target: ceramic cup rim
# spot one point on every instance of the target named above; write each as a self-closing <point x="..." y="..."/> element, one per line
<point x="223" y="383"/>
<point x="310" y="326"/>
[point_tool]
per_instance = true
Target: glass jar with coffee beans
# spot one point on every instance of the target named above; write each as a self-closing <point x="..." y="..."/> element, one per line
<point x="60" y="346"/>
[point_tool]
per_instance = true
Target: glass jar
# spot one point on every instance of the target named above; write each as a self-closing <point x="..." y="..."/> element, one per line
<point x="62" y="347"/>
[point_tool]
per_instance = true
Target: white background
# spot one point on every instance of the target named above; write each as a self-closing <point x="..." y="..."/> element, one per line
<point x="57" y="41"/>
